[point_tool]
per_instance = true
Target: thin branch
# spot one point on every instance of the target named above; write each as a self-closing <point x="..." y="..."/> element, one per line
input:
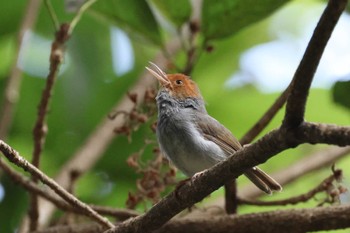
<point x="15" y="158"/>
<point x="304" y="74"/>
<point x="320" y="159"/>
<point x="306" y="165"/>
<point x="14" y="81"/>
<point x="98" y="141"/>
<point x="80" y="13"/>
<point x="121" y="214"/>
<point x="266" y="118"/>
<point x="325" y="186"/>
<point x="52" y="14"/>
<point x="40" y="128"/>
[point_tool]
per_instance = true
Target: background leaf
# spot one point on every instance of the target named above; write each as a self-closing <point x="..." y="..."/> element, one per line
<point x="177" y="11"/>
<point x="133" y="16"/>
<point x="223" y="18"/>
<point x="341" y="93"/>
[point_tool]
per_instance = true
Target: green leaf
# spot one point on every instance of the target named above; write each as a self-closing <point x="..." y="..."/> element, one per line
<point x="133" y="16"/>
<point x="223" y="18"/>
<point x="177" y="11"/>
<point x="341" y="93"/>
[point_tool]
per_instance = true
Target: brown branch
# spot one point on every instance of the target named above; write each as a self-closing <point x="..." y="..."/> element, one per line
<point x="98" y="141"/>
<point x="40" y="128"/>
<point x="325" y="186"/>
<point x="121" y="214"/>
<point x="212" y="179"/>
<point x="15" y="158"/>
<point x="291" y="221"/>
<point x="303" y="76"/>
<point x="14" y="81"/>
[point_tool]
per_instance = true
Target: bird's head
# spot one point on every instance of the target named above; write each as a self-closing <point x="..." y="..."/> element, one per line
<point x="178" y="86"/>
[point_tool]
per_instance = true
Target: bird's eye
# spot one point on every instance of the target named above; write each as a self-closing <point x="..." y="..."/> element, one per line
<point x="178" y="82"/>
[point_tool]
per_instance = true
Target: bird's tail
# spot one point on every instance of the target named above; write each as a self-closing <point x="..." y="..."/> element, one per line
<point x="262" y="180"/>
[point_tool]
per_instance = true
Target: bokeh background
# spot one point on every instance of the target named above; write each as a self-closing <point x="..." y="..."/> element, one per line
<point x="247" y="62"/>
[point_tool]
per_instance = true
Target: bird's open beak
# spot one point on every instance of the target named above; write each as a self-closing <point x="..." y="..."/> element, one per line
<point x="159" y="74"/>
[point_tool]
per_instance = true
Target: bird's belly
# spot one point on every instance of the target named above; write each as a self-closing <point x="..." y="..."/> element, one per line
<point x="188" y="150"/>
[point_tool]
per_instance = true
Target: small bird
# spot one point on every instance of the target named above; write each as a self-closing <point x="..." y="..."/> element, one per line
<point x="189" y="137"/>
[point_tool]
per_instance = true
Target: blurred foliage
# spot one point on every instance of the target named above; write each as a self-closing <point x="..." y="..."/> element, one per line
<point x="224" y="18"/>
<point x="88" y="89"/>
<point x="341" y="93"/>
<point x="177" y="11"/>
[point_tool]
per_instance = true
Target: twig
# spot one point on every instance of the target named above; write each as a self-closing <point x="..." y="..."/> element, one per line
<point x="304" y="74"/>
<point x="15" y="158"/>
<point x="92" y="150"/>
<point x="52" y="14"/>
<point x="14" y="81"/>
<point x="40" y="128"/>
<point x="80" y="12"/>
<point x="266" y="118"/>
<point x="306" y="165"/>
<point x="17" y="177"/>
<point x="325" y="186"/>
<point x="315" y="161"/>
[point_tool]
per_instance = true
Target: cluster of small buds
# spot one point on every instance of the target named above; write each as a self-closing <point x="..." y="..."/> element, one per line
<point x="333" y="188"/>
<point x="156" y="176"/>
<point x="138" y="115"/>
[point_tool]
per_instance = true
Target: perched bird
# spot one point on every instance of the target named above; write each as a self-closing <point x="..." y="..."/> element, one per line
<point x="191" y="139"/>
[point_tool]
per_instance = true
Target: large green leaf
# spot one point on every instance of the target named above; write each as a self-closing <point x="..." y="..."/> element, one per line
<point x="223" y="18"/>
<point x="133" y="15"/>
<point x="341" y="93"/>
<point x="177" y="11"/>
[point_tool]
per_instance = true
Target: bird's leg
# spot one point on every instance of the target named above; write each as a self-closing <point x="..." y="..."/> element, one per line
<point x="185" y="181"/>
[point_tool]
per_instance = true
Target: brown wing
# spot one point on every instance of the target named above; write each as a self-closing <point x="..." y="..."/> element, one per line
<point x="217" y="133"/>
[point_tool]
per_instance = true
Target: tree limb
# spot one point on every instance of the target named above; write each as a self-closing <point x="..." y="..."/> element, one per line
<point x="279" y="221"/>
<point x="304" y="74"/>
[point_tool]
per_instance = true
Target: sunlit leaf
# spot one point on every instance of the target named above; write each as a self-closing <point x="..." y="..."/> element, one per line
<point x="223" y="18"/>
<point x="177" y="11"/>
<point x="341" y="93"/>
<point x="133" y="16"/>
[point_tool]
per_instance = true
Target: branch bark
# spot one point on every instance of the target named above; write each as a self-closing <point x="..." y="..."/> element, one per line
<point x="291" y="221"/>
<point x="304" y="74"/>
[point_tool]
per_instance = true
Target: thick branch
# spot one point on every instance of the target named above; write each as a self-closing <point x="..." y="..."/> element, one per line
<point x="291" y="221"/>
<point x="15" y="158"/>
<point x="304" y="74"/>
